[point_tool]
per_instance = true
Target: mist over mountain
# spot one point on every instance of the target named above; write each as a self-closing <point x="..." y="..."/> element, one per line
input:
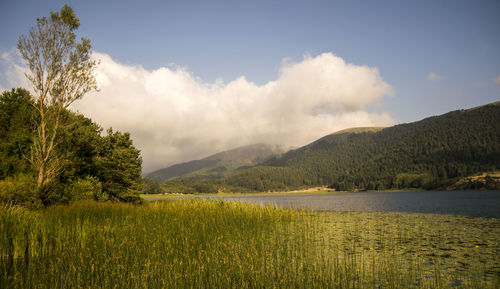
<point x="220" y="164"/>
<point x="431" y="153"/>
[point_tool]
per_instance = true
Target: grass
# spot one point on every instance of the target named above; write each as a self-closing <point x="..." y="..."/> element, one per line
<point x="218" y="244"/>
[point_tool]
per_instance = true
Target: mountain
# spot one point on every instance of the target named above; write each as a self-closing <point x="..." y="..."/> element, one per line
<point x="220" y="164"/>
<point x="359" y="130"/>
<point x="431" y="153"/>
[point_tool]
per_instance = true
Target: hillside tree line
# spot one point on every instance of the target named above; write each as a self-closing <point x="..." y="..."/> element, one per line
<point x="430" y="154"/>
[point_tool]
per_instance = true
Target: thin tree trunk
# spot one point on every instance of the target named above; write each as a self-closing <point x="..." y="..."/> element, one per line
<point x="41" y="151"/>
<point x="41" y="172"/>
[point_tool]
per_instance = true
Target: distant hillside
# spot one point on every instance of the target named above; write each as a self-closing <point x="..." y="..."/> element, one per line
<point x="181" y="169"/>
<point x="431" y="153"/>
<point x="220" y="164"/>
<point x="359" y="130"/>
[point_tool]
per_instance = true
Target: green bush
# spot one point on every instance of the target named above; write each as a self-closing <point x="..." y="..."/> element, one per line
<point x="20" y="190"/>
<point x="88" y="188"/>
<point x="407" y="180"/>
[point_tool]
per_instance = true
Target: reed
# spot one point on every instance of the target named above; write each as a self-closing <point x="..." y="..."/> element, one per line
<point x="218" y="244"/>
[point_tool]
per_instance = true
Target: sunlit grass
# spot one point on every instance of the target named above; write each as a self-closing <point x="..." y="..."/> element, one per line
<point x="219" y="244"/>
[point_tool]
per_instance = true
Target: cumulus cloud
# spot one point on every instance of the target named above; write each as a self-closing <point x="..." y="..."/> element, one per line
<point x="174" y="116"/>
<point x="12" y="71"/>
<point x="497" y="80"/>
<point x="434" y="77"/>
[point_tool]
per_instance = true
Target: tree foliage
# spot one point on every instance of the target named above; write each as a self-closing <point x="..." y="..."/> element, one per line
<point x="61" y="72"/>
<point x="152" y="186"/>
<point x="16" y="127"/>
<point x="94" y="166"/>
<point x="119" y="166"/>
<point x="192" y="186"/>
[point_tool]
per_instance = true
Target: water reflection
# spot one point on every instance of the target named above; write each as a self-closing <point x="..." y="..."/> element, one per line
<point x="470" y="203"/>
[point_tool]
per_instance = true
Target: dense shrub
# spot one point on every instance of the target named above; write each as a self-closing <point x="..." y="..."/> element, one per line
<point x="20" y="190"/>
<point x="88" y="188"/>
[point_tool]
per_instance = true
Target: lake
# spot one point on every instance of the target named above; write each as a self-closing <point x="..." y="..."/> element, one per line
<point x="469" y="203"/>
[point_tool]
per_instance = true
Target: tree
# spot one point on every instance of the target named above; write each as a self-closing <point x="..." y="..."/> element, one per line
<point x="93" y="166"/>
<point x="16" y="115"/>
<point x="118" y="167"/>
<point x="61" y="72"/>
<point x="151" y="186"/>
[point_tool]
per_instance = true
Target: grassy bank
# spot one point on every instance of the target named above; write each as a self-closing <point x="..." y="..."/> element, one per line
<point x="215" y="244"/>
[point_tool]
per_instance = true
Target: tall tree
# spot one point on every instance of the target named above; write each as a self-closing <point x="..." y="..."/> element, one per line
<point x="61" y="72"/>
<point x="118" y="167"/>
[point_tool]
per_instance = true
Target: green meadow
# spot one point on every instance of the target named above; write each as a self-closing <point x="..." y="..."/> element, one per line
<point x="218" y="244"/>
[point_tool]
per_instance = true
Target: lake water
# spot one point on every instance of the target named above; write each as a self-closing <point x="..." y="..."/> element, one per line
<point x="470" y="203"/>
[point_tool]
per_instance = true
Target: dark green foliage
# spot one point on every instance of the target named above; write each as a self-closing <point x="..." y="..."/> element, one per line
<point x="266" y="178"/>
<point x="119" y="166"/>
<point x="178" y="186"/>
<point x="192" y="186"/>
<point x="413" y="180"/>
<point x="88" y="188"/>
<point x="16" y="127"/>
<point x="151" y="186"/>
<point x="432" y="153"/>
<point x="79" y="143"/>
<point x="91" y="166"/>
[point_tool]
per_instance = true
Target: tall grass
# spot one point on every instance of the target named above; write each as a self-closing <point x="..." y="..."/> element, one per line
<point x="216" y="244"/>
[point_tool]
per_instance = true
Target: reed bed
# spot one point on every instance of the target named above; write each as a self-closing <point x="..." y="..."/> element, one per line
<point x="220" y="244"/>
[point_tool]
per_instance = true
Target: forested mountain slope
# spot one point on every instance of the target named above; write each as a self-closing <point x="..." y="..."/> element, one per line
<point x="220" y="164"/>
<point x="431" y="153"/>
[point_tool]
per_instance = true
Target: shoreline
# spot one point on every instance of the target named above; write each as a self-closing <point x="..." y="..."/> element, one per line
<point x="313" y="191"/>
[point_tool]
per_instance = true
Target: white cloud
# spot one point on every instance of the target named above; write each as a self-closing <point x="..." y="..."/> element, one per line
<point x="174" y="116"/>
<point x="434" y="77"/>
<point x="497" y="80"/>
<point x="12" y="71"/>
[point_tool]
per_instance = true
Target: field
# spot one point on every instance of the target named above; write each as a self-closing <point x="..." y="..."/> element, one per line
<point x="217" y="244"/>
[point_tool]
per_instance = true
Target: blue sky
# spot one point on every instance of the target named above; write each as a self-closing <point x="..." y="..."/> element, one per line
<point x="436" y="56"/>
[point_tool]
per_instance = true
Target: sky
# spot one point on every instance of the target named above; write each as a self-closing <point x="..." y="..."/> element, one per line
<point x="192" y="78"/>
